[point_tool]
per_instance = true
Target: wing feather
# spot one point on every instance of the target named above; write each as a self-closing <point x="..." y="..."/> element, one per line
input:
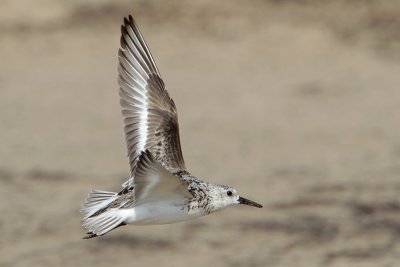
<point x="150" y="116"/>
<point x="154" y="183"/>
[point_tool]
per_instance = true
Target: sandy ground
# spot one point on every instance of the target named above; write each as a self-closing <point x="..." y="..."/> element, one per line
<point x="295" y="103"/>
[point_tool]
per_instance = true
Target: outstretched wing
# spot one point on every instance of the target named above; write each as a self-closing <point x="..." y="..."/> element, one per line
<point x="150" y="116"/>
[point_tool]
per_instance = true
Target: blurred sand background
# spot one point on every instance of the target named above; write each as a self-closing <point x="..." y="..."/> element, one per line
<point x="295" y="103"/>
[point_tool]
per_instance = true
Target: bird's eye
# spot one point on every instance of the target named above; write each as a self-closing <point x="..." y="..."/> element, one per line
<point x="229" y="193"/>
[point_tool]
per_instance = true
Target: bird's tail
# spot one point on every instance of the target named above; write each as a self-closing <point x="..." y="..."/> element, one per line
<point x="104" y="222"/>
<point x="99" y="218"/>
<point x="96" y="201"/>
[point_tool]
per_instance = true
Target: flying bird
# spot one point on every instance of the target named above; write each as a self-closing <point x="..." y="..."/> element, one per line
<point x="160" y="189"/>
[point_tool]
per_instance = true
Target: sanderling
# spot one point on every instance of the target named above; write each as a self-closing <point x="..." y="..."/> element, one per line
<point x="160" y="190"/>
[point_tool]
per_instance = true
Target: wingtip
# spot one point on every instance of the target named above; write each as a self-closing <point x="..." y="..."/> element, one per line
<point x="126" y="21"/>
<point x="129" y="21"/>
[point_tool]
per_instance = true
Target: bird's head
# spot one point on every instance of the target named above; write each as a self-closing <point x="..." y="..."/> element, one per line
<point x="224" y="196"/>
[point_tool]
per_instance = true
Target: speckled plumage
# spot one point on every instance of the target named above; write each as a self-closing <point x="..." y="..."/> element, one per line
<point x="160" y="189"/>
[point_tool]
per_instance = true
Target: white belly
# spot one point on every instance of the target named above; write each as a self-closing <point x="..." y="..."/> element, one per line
<point x="160" y="213"/>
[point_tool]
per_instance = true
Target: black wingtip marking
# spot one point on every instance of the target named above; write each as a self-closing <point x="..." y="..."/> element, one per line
<point x="126" y="21"/>
<point x="122" y="41"/>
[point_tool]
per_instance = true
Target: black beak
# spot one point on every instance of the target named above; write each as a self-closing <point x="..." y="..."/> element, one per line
<point x="245" y="201"/>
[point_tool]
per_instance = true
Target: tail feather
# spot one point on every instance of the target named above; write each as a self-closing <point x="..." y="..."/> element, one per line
<point x="99" y="215"/>
<point x="104" y="222"/>
<point x="96" y="201"/>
